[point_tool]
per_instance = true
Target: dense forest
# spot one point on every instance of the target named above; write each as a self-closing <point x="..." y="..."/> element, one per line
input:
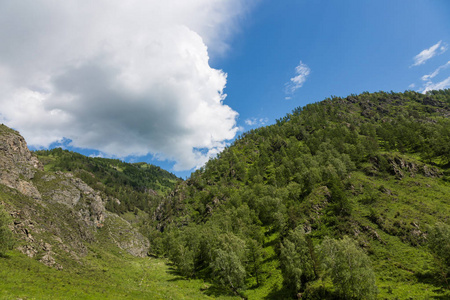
<point x="347" y="197"/>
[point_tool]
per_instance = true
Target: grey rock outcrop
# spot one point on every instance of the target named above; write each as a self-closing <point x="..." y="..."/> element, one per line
<point x="17" y="163"/>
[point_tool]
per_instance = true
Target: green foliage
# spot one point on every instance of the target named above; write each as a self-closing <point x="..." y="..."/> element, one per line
<point x="254" y="260"/>
<point x="372" y="166"/>
<point x="439" y="243"/>
<point x="349" y="267"/>
<point x="6" y="236"/>
<point x="138" y="185"/>
<point x="228" y="269"/>
<point x="296" y="261"/>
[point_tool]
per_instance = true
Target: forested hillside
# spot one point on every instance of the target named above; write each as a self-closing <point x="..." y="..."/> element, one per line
<point x="347" y="197"/>
<point x="137" y="185"/>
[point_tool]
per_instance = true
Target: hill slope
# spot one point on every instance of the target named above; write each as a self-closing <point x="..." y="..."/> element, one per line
<point x="66" y="244"/>
<point x="373" y="167"/>
<point x="137" y="185"/>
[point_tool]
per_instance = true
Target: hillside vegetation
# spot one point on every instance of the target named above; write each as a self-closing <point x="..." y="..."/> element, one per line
<point x="137" y="185"/>
<point x="347" y="198"/>
<point x="363" y="180"/>
<point x="58" y="240"/>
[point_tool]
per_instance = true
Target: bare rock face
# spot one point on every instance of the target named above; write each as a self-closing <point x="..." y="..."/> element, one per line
<point x="66" y="189"/>
<point x="17" y="163"/>
<point x="123" y="235"/>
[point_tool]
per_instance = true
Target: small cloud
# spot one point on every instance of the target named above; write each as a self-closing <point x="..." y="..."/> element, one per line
<point x="436" y="72"/>
<point x="301" y="73"/>
<point x="287" y="98"/>
<point x="412" y="85"/>
<point x="426" y="54"/>
<point x="256" y="121"/>
<point x="444" y="84"/>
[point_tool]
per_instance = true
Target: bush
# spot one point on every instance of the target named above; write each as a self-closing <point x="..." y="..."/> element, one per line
<point x="439" y="243"/>
<point x="6" y="236"/>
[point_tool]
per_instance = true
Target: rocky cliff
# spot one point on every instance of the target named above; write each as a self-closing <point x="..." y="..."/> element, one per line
<point x="57" y="217"/>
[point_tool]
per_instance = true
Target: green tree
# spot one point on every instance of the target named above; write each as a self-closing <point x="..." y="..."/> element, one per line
<point x="6" y="236"/>
<point x="295" y="259"/>
<point x="254" y="259"/>
<point x="349" y="267"/>
<point x="228" y="262"/>
<point x="439" y="243"/>
<point x="228" y="269"/>
<point x="183" y="258"/>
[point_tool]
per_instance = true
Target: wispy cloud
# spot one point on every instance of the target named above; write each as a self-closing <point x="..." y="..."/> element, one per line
<point x="301" y="73"/>
<point x="426" y="54"/>
<point x="256" y="121"/>
<point x="444" y="84"/>
<point x="436" y="72"/>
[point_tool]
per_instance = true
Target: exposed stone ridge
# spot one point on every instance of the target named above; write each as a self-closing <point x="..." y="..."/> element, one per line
<point x="17" y="164"/>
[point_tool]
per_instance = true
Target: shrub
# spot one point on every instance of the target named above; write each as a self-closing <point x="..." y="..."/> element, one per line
<point x="6" y="236"/>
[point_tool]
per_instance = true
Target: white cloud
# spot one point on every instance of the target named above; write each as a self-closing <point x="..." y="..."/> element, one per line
<point x="436" y="72"/>
<point x="444" y="84"/>
<point x="426" y="54"/>
<point x="411" y="86"/>
<point x="123" y="77"/>
<point x="301" y="73"/>
<point x="256" y="121"/>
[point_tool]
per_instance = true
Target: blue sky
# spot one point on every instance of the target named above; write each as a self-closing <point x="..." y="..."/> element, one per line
<point x="135" y="83"/>
<point x="349" y="46"/>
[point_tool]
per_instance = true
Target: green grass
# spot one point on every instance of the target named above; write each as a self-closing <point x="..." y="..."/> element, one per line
<point x="404" y="267"/>
<point x="114" y="276"/>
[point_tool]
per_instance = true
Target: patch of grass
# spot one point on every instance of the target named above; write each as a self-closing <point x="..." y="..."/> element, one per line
<point x="114" y="276"/>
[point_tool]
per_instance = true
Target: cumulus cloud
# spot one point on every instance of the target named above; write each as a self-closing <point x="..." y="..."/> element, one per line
<point x="122" y="77"/>
<point x="301" y="73"/>
<point x="256" y="121"/>
<point x="426" y="54"/>
<point x="444" y="84"/>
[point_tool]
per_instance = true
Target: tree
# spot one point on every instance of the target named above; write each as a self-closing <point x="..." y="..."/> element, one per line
<point x="349" y="267"/>
<point x="254" y="257"/>
<point x="228" y="269"/>
<point x="6" y="236"/>
<point x="228" y="263"/>
<point x="439" y="243"/>
<point x="295" y="259"/>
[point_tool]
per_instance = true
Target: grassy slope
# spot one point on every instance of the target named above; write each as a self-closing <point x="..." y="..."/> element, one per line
<point x="106" y="275"/>
<point x="106" y="272"/>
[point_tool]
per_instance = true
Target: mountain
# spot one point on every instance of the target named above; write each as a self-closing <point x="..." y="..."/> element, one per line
<point x="367" y="174"/>
<point x="56" y="214"/>
<point x="137" y="185"/>
<point x="347" y="198"/>
<point x="59" y="240"/>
